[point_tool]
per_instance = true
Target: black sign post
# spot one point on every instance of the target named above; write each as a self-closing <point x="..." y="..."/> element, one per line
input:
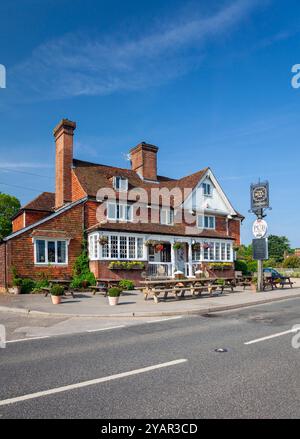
<point x="260" y="201"/>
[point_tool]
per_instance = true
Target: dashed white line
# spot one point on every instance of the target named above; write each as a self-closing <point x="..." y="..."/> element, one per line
<point x="90" y="382"/>
<point x="268" y="337"/>
<point x="164" y="320"/>
<point x="105" y="329"/>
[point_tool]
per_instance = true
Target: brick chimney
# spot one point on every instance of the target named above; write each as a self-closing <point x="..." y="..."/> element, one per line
<point x="144" y="160"/>
<point x="63" y="134"/>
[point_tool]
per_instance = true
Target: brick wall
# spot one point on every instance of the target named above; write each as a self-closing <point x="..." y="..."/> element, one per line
<point x="21" y="248"/>
<point x="144" y="160"/>
<point x="101" y="270"/>
<point x="2" y="267"/>
<point x="235" y="230"/>
<point x="18" y="223"/>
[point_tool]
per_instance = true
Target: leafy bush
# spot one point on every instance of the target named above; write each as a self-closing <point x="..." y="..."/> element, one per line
<point x="252" y="266"/>
<point x="82" y="276"/>
<point x="240" y="265"/>
<point x="17" y="282"/>
<point x="27" y="286"/>
<point x="114" y="292"/>
<point x="126" y="284"/>
<point x="291" y="262"/>
<point x="57" y="290"/>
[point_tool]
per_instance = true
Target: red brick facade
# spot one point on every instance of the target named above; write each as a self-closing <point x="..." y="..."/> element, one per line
<point x="63" y="134"/>
<point x="73" y="211"/>
<point x="20" y="250"/>
<point x="144" y="160"/>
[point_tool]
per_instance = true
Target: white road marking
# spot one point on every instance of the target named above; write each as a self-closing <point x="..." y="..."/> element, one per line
<point x="90" y="382"/>
<point x="268" y="337"/>
<point x="26" y="339"/>
<point x="164" y="320"/>
<point x="105" y="329"/>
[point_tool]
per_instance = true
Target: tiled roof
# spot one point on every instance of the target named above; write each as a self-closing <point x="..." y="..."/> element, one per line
<point x="93" y="177"/>
<point x="45" y="202"/>
<point x="156" y="229"/>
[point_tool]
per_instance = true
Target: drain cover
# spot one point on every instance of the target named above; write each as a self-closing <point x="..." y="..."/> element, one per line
<point x="221" y="350"/>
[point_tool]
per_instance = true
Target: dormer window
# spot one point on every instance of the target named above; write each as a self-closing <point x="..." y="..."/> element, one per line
<point x="120" y="184"/>
<point x="207" y="189"/>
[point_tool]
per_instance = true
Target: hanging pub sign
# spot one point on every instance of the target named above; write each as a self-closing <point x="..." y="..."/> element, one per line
<point x="260" y="249"/>
<point x="259" y="228"/>
<point x="259" y="196"/>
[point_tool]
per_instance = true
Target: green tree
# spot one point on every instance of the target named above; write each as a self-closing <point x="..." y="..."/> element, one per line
<point x="277" y="246"/>
<point x="291" y="262"/>
<point x="9" y="206"/>
<point x="245" y="252"/>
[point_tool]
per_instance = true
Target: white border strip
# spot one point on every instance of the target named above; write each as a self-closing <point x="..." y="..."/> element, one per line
<point x="90" y="383"/>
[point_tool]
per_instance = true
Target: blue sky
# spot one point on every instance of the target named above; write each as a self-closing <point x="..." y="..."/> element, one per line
<point x="209" y="82"/>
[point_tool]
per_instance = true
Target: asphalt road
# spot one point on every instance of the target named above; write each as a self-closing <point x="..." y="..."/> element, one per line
<point x="258" y="380"/>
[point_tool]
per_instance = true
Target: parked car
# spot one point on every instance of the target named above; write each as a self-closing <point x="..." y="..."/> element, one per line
<point x="275" y="274"/>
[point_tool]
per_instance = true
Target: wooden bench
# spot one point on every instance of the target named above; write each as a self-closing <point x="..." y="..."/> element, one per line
<point x="275" y="283"/>
<point x="156" y="288"/>
<point x="99" y="289"/>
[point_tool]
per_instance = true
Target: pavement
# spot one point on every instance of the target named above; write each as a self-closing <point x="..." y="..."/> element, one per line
<point x="167" y="369"/>
<point x="132" y="304"/>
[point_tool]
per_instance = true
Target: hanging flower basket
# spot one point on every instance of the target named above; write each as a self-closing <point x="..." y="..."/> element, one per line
<point x="159" y="248"/>
<point x="154" y="242"/>
<point x="196" y="246"/>
<point x="103" y="240"/>
<point x="178" y="245"/>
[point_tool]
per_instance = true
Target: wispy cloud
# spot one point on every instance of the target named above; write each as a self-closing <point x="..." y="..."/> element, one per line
<point x="76" y="64"/>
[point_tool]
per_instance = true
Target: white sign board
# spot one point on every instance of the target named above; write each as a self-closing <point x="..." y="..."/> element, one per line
<point x="260" y="228"/>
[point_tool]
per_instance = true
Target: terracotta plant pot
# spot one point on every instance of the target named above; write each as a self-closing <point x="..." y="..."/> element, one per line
<point x="113" y="300"/>
<point x="56" y="300"/>
<point x="254" y="288"/>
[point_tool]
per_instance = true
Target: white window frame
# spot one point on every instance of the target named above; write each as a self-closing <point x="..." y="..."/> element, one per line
<point x="55" y="240"/>
<point x="201" y="222"/>
<point x="166" y="216"/>
<point x="205" y="186"/>
<point x="120" y="183"/>
<point x="99" y="256"/>
<point x="122" y="207"/>
<point x="211" y="253"/>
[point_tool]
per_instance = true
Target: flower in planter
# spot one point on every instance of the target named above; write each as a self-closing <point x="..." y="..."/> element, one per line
<point x="159" y="248"/>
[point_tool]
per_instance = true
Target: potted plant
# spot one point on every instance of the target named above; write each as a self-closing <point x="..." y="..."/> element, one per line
<point x="56" y="292"/>
<point x="178" y="245"/>
<point x="114" y="295"/>
<point x="254" y="284"/>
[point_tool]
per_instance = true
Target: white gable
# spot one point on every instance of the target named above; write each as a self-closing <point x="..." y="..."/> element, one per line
<point x="216" y="202"/>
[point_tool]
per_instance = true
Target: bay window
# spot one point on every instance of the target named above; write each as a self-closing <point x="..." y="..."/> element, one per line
<point x="118" y="246"/>
<point x="50" y="251"/>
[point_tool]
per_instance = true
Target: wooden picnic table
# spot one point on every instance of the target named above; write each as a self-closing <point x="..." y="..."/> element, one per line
<point x="103" y="285"/>
<point x="274" y="282"/>
<point x="176" y="286"/>
<point x="63" y="282"/>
